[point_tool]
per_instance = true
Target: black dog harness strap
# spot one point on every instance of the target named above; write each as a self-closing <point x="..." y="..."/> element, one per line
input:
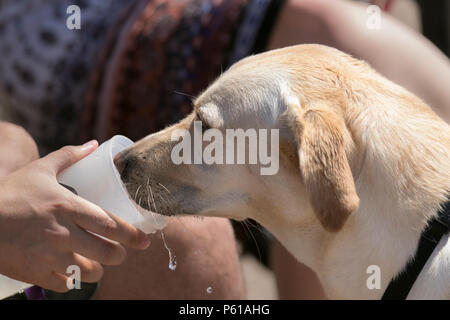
<point x="400" y="286"/>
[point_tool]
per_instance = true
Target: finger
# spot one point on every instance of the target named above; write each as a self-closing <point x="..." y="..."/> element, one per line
<point x="89" y="270"/>
<point x="68" y="155"/>
<point x="95" y="248"/>
<point x="56" y="282"/>
<point x="92" y="218"/>
<point x="40" y="274"/>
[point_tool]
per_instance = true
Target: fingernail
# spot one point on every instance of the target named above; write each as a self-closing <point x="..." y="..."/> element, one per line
<point x="89" y="145"/>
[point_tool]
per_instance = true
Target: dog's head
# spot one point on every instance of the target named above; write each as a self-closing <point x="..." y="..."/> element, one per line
<point x="287" y="122"/>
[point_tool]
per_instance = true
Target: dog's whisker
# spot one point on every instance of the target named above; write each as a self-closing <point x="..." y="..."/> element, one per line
<point x="163" y="198"/>
<point x="168" y="193"/>
<point x="148" y="202"/>
<point x="191" y="97"/>
<point x="137" y="191"/>
<point x="256" y="226"/>
<point x="148" y="195"/>
<point x="254" y="239"/>
<point x="153" y="199"/>
<point x="164" y="187"/>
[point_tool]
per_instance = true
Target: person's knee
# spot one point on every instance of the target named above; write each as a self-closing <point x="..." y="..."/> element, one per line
<point x="17" y="137"/>
<point x="208" y="247"/>
<point x="17" y="148"/>
<point x="207" y="265"/>
<point x="210" y="231"/>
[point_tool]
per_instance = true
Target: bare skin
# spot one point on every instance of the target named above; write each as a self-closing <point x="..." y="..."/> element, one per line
<point x="395" y="51"/>
<point x="207" y="265"/>
<point x="18" y="145"/>
<point x="294" y="279"/>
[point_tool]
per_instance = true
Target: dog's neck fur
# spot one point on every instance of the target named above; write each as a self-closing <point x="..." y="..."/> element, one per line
<point x="399" y="191"/>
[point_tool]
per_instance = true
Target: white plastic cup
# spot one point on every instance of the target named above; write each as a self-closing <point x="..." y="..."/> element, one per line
<point x="9" y="286"/>
<point x="96" y="179"/>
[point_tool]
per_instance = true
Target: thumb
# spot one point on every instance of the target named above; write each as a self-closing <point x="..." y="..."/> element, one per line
<point x="68" y="155"/>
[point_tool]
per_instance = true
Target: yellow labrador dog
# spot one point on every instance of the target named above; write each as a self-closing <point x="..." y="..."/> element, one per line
<point x="362" y="166"/>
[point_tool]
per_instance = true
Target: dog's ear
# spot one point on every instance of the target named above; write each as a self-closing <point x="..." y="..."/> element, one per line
<point x="324" y="167"/>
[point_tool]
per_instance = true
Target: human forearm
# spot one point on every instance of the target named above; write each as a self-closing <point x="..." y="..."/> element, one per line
<point x="17" y="148"/>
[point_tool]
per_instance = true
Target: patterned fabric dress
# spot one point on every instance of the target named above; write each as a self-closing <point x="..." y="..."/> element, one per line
<point x="131" y="69"/>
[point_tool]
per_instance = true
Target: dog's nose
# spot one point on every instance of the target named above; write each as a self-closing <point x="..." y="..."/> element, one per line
<point x="120" y="161"/>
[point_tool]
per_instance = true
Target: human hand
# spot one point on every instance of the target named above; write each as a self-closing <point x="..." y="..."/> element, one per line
<point x="44" y="227"/>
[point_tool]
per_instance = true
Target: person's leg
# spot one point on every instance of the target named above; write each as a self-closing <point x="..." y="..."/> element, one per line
<point x="207" y="265"/>
<point x="294" y="279"/>
<point x="17" y="148"/>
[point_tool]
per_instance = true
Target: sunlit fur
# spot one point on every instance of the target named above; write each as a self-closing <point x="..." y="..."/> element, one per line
<point x="363" y="165"/>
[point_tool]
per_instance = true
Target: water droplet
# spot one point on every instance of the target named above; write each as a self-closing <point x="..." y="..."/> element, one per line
<point x="173" y="263"/>
<point x="209" y="290"/>
<point x="172" y="257"/>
